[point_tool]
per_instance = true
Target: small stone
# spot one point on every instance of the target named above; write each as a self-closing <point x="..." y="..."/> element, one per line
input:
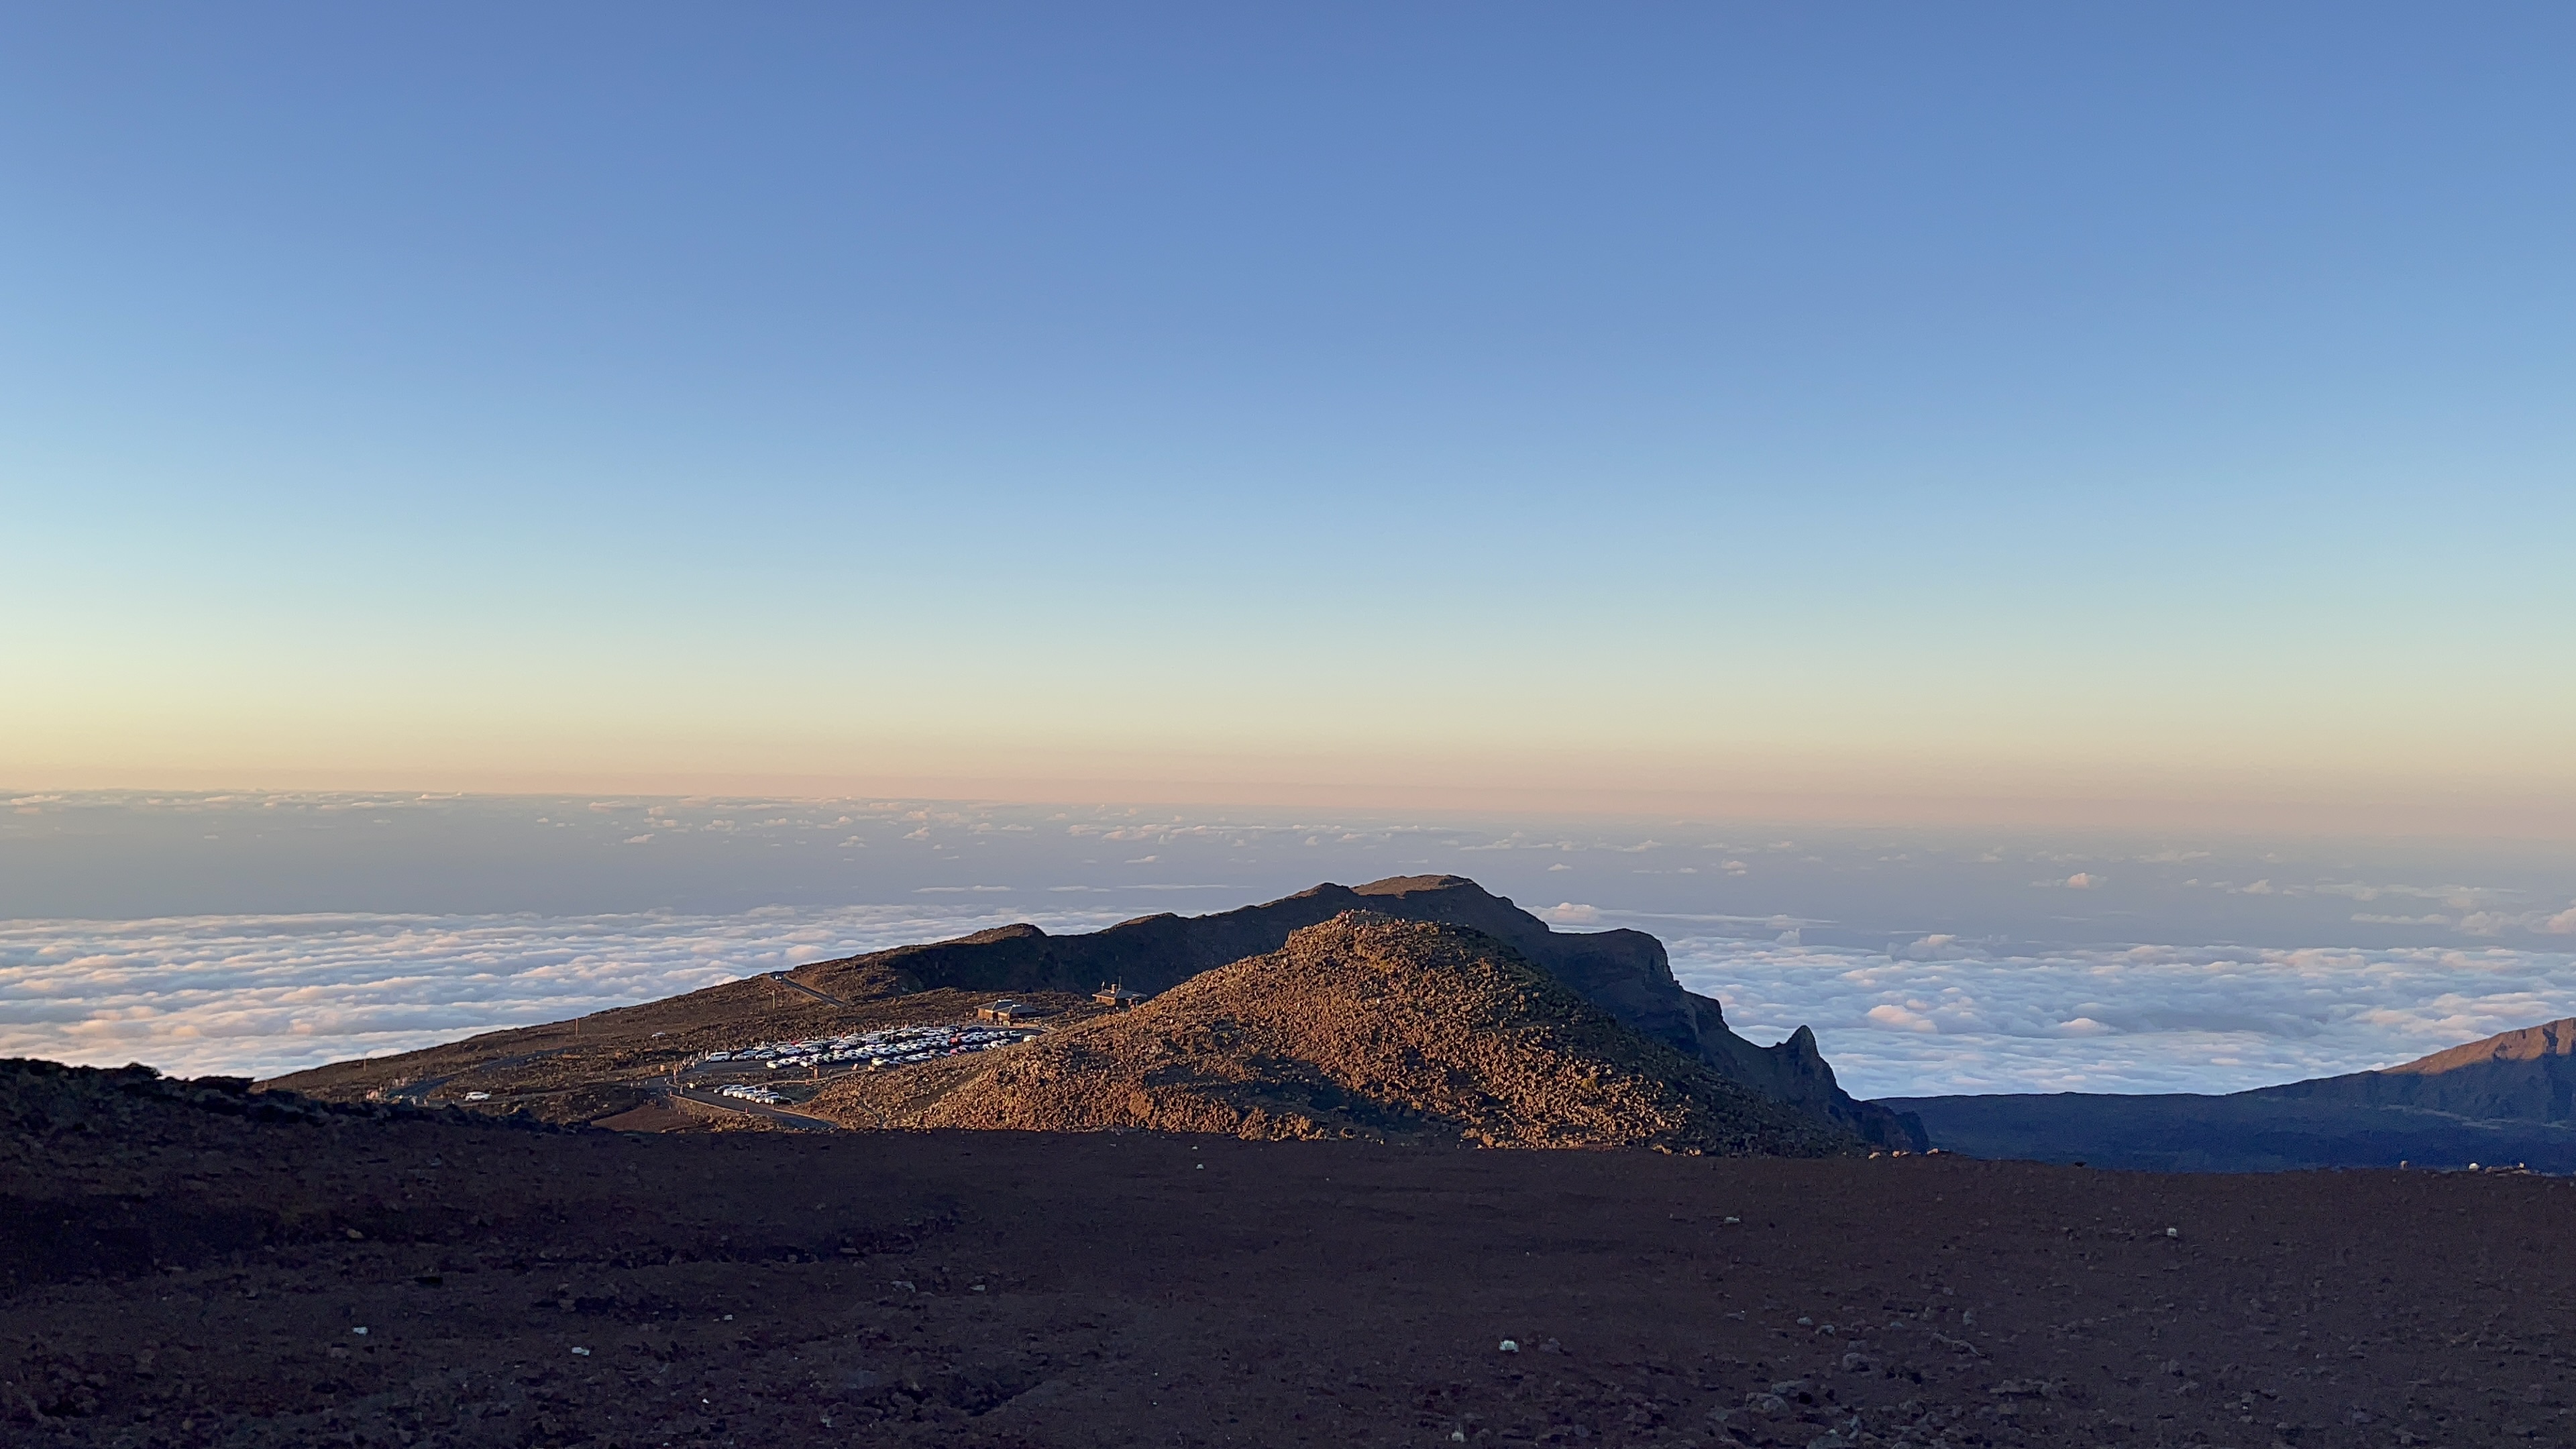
<point x="585" y="1353"/>
<point x="1508" y="1346"/>
<point x="2173" y="1232"/>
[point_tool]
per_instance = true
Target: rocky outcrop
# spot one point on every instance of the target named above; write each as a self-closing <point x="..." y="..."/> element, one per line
<point x="1361" y="1026"/>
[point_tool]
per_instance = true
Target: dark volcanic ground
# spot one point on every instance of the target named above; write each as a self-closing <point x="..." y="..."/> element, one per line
<point x="180" y="1274"/>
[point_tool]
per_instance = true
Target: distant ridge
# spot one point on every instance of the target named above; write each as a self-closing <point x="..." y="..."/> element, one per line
<point x="2526" y="1076"/>
<point x="2510" y="1098"/>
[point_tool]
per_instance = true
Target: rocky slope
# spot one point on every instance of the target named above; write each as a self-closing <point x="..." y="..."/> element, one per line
<point x="2508" y="1099"/>
<point x="1361" y="1026"/>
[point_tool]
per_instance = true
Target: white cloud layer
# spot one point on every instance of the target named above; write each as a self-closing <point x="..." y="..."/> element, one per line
<point x="261" y="995"/>
<point x="1943" y="1016"/>
<point x="268" y="994"/>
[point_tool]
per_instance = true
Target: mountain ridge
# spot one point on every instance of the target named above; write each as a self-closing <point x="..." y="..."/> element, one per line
<point x="1625" y="972"/>
<point x="602" y="1066"/>
<point x="2507" y="1098"/>
<point x="1364" y="1025"/>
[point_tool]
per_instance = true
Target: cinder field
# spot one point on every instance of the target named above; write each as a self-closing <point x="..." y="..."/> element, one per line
<point x="185" y="1275"/>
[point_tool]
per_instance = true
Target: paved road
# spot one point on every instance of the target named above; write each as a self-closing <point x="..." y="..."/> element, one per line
<point x="781" y="978"/>
<point x="417" y="1092"/>
<point x="780" y="1115"/>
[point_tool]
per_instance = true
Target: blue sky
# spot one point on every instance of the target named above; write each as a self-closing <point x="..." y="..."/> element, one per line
<point x="1881" y="403"/>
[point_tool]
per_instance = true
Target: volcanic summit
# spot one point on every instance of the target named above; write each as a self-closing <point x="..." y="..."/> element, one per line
<point x="1519" y="1034"/>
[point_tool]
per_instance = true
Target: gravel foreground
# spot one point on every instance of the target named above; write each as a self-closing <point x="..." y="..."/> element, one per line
<point x="176" y="1274"/>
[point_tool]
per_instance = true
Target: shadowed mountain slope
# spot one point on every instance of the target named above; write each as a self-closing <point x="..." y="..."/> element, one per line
<point x="2508" y="1099"/>
<point x="1361" y="1026"/>
<point x="1625" y="973"/>
<point x="2525" y="1076"/>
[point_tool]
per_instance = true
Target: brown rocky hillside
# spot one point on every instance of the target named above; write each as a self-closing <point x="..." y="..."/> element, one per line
<point x="1625" y="973"/>
<point x="1362" y="1026"/>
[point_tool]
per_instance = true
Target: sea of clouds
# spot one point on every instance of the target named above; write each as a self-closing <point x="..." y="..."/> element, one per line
<point x="262" y="995"/>
<point x="1938" y="1017"/>
<point x="263" y="933"/>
